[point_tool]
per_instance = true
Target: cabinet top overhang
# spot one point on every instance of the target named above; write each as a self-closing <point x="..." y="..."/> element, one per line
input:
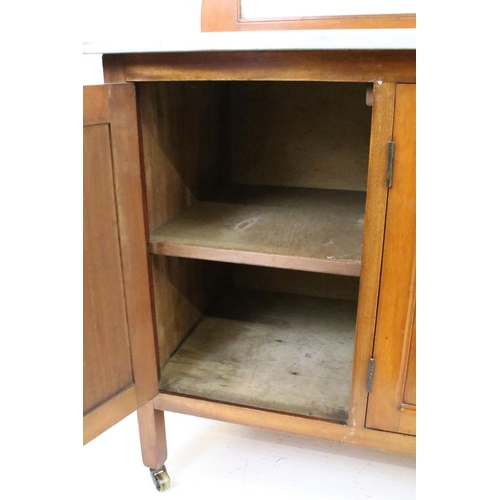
<point x="337" y="39"/>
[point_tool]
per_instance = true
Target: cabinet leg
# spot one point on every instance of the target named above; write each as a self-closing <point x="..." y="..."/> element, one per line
<point x="153" y="443"/>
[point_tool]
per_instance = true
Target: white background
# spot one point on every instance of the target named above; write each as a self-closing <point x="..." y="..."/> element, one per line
<point x="41" y="278"/>
<point x="232" y="461"/>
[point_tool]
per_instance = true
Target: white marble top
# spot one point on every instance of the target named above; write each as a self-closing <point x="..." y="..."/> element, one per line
<point x="347" y="39"/>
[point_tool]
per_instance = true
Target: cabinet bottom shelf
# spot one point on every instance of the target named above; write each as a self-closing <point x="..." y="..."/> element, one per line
<point x="273" y="351"/>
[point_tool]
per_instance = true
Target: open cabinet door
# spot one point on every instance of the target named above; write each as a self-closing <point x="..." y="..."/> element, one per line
<point x="392" y="401"/>
<point x="119" y="360"/>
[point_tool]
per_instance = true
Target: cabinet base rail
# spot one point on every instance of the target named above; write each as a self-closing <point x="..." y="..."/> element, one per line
<point x="291" y="424"/>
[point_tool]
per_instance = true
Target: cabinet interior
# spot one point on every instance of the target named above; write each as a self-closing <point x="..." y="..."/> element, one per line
<point x="256" y="196"/>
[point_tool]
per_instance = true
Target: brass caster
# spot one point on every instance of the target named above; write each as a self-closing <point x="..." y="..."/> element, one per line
<point x="160" y="478"/>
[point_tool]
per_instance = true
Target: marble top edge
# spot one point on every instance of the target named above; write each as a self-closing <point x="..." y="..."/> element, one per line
<point x="345" y="39"/>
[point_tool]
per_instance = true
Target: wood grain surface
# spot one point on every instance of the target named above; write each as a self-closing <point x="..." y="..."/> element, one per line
<point x="183" y="154"/>
<point x="107" y="366"/>
<point x="284" y="65"/>
<point x="410" y="384"/>
<point x="153" y="436"/>
<point x="104" y="416"/>
<point x="96" y="105"/>
<point x="311" y="230"/>
<point x="294" y="424"/>
<point x="119" y="368"/>
<point x="131" y="210"/>
<point x="384" y="95"/>
<point x="301" y="134"/>
<point x="283" y="352"/>
<point x="330" y="286"/>
<point x="396" y="312"/>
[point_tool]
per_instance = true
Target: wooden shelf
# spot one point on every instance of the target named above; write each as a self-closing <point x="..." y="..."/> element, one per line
<point x="292" y="228"/>
<point x="281" y="352"/>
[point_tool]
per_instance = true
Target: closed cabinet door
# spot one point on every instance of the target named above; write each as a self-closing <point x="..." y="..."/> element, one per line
<point x="392" y="400"/>
<point x="119" y="368"/>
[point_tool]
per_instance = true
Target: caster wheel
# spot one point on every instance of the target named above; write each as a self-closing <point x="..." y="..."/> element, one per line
<point x="160" y="478"/>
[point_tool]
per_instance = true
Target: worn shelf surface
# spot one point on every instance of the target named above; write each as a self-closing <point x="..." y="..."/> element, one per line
<point x="281" y="352"/>
<point x="293" y="228"/>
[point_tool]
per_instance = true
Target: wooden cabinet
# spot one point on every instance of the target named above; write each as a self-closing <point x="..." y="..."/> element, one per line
<point x="252" y="255"/>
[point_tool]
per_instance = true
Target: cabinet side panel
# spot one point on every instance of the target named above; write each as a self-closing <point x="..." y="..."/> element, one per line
<point x="106" y="351"/>
<point x="185" y="157"/>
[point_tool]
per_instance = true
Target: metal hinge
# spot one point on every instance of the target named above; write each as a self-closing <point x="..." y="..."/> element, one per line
<point x="390" y="164"/>
<point x="369" y="380"/>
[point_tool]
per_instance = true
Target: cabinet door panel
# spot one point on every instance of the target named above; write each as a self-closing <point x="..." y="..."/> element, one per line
<point x="119" y="360"/>
<point x="392" y="402"/>
<point x="106" y="353"/>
